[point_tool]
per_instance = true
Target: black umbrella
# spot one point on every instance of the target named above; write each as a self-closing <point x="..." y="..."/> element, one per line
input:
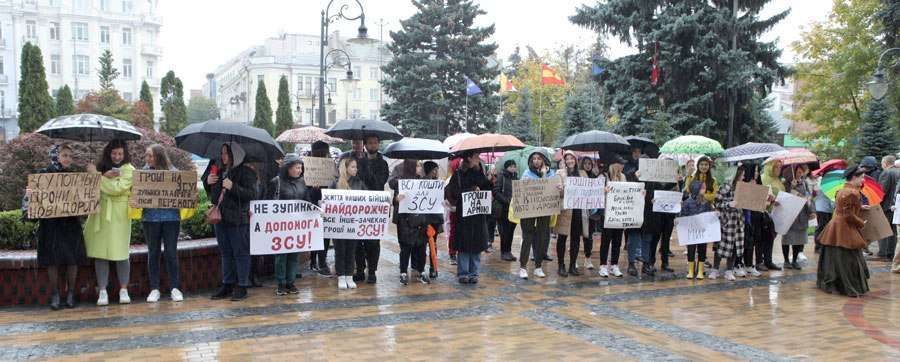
<point x="596" y="141"/>
<point x="206" y="138"/>
<point x="417" y="149"/>
<point x="752" y="151"/>
<point x="647" y="146"/>
<point x="358" y="129"/>
<point x="87" y="127"/>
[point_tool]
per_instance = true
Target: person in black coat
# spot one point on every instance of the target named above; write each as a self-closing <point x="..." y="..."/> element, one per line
<point x="411" y="227"/>
<point x="288" y="185"/>
<point x="318" y="261"/>
<point x="373" y="171"/>
<point x="232" y="185"/>
<point x="60" y="241"/>
<point x="472" y="238"/>
<point x="503" y="194"/>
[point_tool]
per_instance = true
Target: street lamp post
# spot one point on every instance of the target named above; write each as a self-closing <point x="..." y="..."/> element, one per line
<point x="878" y="86"/>
<point x="328" y="18"/>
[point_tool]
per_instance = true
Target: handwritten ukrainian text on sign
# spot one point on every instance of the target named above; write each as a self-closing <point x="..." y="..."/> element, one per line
<point x="421" y="196"/>
<point x="476" y="203"/>
<point x="584" y="193"/>
<point x="536" y="197"/>
<point x="63" y="194"/>
<point x="698" y="229"/>
<point x="164" y="189"/>
<point x="668" y="202"/>
<point x="319" y="171"/>
<point x="285" y="226"/>
<point x="653" y="170"/>
<point x="355" y="215"/>
<point x="624" y="205"/>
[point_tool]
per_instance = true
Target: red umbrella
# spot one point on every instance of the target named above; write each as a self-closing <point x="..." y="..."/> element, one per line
<point x="830" y="165"/>
<point x="488" y="142"/>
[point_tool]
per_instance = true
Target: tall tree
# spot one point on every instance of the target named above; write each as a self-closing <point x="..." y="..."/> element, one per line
<point x="519" y="123"/>
<point x="35" y="103"/>
<point x="107" y="73"/>
<point x="546" y="102"/>
<point x="697" y="67"/>
<point x="890" y="20"/>
<point x="284" y="119"/>
<point x="147" y="98"/>
<point x="583" y="112"/>
<point x="201" y="109"/>
<point x="171" y="101"/>
<point x="140" y="115"/>
<point x="263" y="117"/>
<point x="65" y="105"/>
<point x="878" y="137"/>
<point x="433" y="52"/>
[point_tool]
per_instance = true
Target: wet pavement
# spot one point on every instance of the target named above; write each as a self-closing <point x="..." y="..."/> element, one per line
<point x="780" y="316"/>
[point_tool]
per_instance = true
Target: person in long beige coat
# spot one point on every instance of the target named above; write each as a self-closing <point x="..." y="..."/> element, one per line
<point x="107" y="234"/>
<point x="571" y="225"/>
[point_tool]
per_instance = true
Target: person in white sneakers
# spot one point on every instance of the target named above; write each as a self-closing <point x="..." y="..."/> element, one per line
<point x="345" y="250"/>
<point x="161" y="228"/>
<point x="611" y="239"/>
<point x="535" y="230"/>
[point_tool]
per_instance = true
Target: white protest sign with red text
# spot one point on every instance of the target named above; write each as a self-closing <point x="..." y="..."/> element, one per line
<point x="356" y="215"/>
<point x="285" y="226"/>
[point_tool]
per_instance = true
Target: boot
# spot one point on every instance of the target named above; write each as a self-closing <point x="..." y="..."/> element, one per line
<point x="54" y="301"/>
<point x="647" y="270"/>
<point x="240" y="293"/>
<point x="665" y="268"/>
<point x="359" y="276"/>
<point x="700" y="271"/>
<point x="562" y="271"/>
<point x="573" y="271"/>
<point x="632" y="270"/>
<point x="70" y="300"/>
<point x="690" y="272"/>
<point x="224" y="292"/>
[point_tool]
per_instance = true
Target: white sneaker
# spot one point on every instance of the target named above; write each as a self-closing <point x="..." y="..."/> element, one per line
<point x="538" y="272"/>
<point x="176" y="295"/>
<point x="523" y="273"/>
<point x="713" y="274"/>
<point x="154" y="296"/>
<point x="124" y="298"/>
<point x="616" y="272"/>
<point x="588" y="265"/>
<point x="740" y="273"/>
<point x="350" y="283"/>
<point x="754" y="272"/>
<point x="342" y="282"/>
<point x="729" y="275"/>
<point x="604" y="271"/>
<point x="103" y="298"/>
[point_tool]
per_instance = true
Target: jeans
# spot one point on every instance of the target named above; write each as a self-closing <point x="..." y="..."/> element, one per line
<point x="414" y="252"/>
<point x="507" y="230"/>
<point x="468" y="264"/>
<point x="649" y="241"/>
<point x="535" y="235"/>
<point x="634" y="244"/>
<point x="665" y="237"/>
<point x="234" y="246"/>
<point x="610" y="237"/>
<point x="367" y="254"/>
<point x="164" y="234"/>
<point x="344" y="256"/>
<point x="286" y="267"/>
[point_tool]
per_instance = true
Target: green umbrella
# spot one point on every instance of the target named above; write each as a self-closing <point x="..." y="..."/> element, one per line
<point x="693" y="145"/>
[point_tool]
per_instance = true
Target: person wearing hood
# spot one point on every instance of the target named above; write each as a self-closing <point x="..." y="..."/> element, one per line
<point x="771" y="178"/>
<point x="318" y="260"/>
<point x="571" y="225"/>
<point x="796" y="237"/>
<point x="535" y="230"/>
<point x="60" y="242"/>
<point x="611" y="239"/>
<point x="842" y="267"/>
<point x="694" y="204"/>
<point x="412" y="229"/>
<point x="107" y="233"/>
<point x="233" y="185"/>
<point x="731" y="219"/>
<point x="869" y="165"/>
<point x="345" y="250"/>
<point x="472" y="237"/>
<point x="503" y="195"/>
<point x="373" y="170"/>
<point x="592" y="171"/>
<point x="288" y="185"/>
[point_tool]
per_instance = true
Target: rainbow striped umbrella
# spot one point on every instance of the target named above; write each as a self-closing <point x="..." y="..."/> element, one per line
<point x="834" y="181"/>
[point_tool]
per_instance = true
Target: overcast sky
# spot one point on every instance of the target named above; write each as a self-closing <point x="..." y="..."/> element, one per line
<point x="199" y="35"/>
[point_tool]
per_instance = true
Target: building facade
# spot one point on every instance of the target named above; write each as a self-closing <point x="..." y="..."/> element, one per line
<point x="72" y="34"/>
<point x="296" y="56"/>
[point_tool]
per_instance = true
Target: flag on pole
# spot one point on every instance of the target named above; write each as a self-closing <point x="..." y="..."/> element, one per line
<point x="471" y="88"/>
<point x="596" y="69"/>
<point x="654" y="74"/>
<point x="506" y="85"/>
<point x="549" y="76"/>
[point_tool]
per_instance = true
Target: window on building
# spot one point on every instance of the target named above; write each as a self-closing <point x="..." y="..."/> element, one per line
<point x="373" y="94"/>
<point x="355" y="114"/>
<point x="126" y="36"/>
<point x="126" y="96"/>
<point x="373" y="73"/>
<point x="127" y="6"/>
<point x="80" y="32"/>
<point x="149" y="70"/>
<point x="54" y="31"/>
<point x="104" y="5"/>
<point x="2" y="65"/>
<point x="332" y="85"/>
<point x="104" y="35"/>
<point x="357" y="72"/>
<point x="80" y="4"/>
<point x="357" y="94"/>
<point x="82" y="65"/>
<point x="3" y="102"/>
<point x="31" y="29"/>
<point x="55" y="66"/>
<point x="373" y="114"/>
<point x="126" y="68"/>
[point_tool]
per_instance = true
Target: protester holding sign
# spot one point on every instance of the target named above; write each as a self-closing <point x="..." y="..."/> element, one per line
<point x="471" y="238"/>
<point x="318" y="260"/>
<point x="771" y="177"/>
<point x="411" y="227"/>
<point x="592" y="171"/>
<point x="345" y="250"/>
<point x="731" y="219"/>
<point x="612" y="237"/>
<point x="233" y="185"/>
<point x="288" y="185"/>
<point x="571" y="224"/>
<point x="161" y="227"/>
<point x="656" y="229"/>
<point x="373" y="170"/>
<point x="695" y="204"/>
<point x="60" y="242"/>
<point x="842" y="267"/>
<point x="535" y="230"/>
<point x="796" y="237"/>
<point x="107" y="234"/>
<point x="502" y="197"/>
<point x="755" y="228"/>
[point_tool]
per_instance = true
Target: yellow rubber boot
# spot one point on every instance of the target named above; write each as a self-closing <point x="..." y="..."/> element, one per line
<point x="690" y="273"/>
<point x="700" y="270"/>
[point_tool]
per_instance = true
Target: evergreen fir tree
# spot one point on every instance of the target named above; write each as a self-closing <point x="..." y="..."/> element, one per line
<point x="263" y="117"/>
<point x="284" y="119"/>
<point x="35" y="103"/>
<point x="519" y="123"/>
<point x="432" y="53"/>
<point x="171" y="102"/>
<point x="147" y="98"/>
<point x="582" y="112"/>
<point x="877" y="137"/>
<point x="108" y="73"/>
<point x="65" y="105"/>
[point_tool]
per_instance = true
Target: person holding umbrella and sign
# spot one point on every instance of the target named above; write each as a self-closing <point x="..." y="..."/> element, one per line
<point x="472" y="235"/>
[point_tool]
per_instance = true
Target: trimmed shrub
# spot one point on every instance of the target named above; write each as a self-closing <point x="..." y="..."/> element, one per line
<point x="16" y="234"/>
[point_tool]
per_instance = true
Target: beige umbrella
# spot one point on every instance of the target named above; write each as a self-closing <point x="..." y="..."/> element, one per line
<point x="307" y="135"/>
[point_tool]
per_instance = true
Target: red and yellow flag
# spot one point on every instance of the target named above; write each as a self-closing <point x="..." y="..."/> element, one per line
<point x="549" y="76"/>
<point x="505" y="84"/>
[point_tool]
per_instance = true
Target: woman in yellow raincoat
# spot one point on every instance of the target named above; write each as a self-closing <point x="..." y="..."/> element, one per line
<point x="107" y="234"/>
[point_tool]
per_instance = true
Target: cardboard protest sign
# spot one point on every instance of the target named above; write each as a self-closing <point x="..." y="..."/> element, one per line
<point x="786" y="212"/>
<point x="63" y="194"/>
<point x="421" y="196"/>
<point x="653" y="170"/>
<point x="624" y="205"/>
<point x="668" y="202"/>
<point x="698" y="229"/>
<point x="319" y="171"/>
<point x="476" y="203"/>
<point x="285" y="226"/>
<point x="751" y="196"/>
<point x="535" y="197"/>
<point x="877" y="225"/>
<point x="164" y="189"/>
<point x="355" y="215"/>
<point x="584" y="193"/>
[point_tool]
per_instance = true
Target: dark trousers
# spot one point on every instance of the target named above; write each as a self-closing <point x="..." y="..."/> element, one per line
<point x="887" y="245"/>
<point x="696" y="252"/>
<point x="573" y="248"/>
<point x="822" y="218"/>
<point x="507" y="230"/>
<point x="414" y="252"/>
<point x="649" y="242"/>
<point x="667" y="224"/>
<point x="367" y="253"/>
<point x="320" y="257"/>
<point x="344" y="256"/>
<point x="589" y="239"/>
<point x="767" y="240"/>
<point x="491" y="228"/>
<point x="234" y="246"/>
<point x="752" y="246"/>
<point x="536" y="237"/>
<point x="451" y="234"/>
<point x="157" y="235"/>
<point x="610" y="237"/>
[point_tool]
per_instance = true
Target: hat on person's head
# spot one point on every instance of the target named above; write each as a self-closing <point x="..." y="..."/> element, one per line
<point x="853" y="172"/>
<point x="869" y="161"/>
<point x="509" y="163"/>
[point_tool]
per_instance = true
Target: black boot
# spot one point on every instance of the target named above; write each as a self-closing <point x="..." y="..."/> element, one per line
<point x="240" y="293"/>
<point x="224" y="291"/>
<point x="647" y="270"/>
<point x="359" y="276"/>
<point x="70" y="300"/>
<point x="665" y="268"/>
<point x="371" y="278"/>
<point x="632" y="270"/>
<point x="573" y="271"/>
<point x="562" y="271"/>
<point x="54" y="301"/>
<point x="324" y="270"/>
